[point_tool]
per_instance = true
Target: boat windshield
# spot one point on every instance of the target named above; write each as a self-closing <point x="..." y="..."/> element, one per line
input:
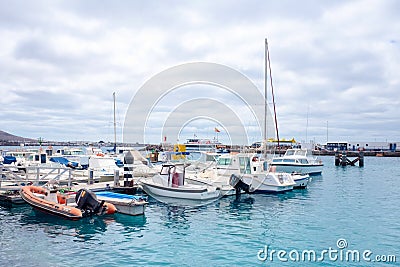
<point x="301" y="152"/>
<point x="224" y="161"/>
<point x="244" y="164"/>
<point x="303" y="161"/>
<point x="296" y="152"/>
<point x="289" y="152"/>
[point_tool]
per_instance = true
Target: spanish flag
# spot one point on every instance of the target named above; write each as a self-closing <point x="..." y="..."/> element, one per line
<point x="216" y="130"/>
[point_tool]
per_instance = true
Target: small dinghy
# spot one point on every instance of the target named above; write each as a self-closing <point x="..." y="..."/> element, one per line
<point x="69" y="206"/>
<point x="126" y="204"/>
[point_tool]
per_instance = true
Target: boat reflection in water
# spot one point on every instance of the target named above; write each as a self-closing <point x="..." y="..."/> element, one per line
<point x="182" y="202"/>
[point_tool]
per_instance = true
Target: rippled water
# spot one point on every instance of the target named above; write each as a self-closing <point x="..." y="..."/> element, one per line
<point x="360" y="205"/>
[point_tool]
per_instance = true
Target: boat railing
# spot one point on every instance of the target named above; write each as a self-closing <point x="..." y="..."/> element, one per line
<point x="35" y="174"/>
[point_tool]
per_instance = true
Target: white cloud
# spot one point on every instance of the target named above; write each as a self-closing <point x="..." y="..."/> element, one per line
<point x="331" y="61"/>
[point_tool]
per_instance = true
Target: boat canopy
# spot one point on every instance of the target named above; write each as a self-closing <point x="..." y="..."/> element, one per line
<point x="9" y="159"/>
<point x="64" y="161"/>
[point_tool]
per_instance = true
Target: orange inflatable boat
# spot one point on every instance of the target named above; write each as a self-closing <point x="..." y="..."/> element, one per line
<point x="70" y="206"/>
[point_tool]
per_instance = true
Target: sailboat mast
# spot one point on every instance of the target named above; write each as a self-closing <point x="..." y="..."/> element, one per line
<point x="272" y="89"/>
<point x="115" y="127"/>
<point x="265" y="92"/>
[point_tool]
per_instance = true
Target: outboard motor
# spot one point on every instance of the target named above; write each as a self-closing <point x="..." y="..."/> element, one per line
<point x="237" y="183"/>
<point x="87" y="202"/>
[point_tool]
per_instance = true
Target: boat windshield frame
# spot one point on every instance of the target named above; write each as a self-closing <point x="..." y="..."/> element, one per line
<point x="223" y="161"/>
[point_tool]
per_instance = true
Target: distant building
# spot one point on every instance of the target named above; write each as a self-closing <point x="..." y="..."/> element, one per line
<point x="357" y="146"/>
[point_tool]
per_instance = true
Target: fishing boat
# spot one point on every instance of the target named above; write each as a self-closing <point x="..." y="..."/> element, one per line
<point x="171" y="183"/>
<point x="126" y="204"/>
<point x="73" y="206"/>
<point x="252" y="170"/>
<point x="298" y="160"/>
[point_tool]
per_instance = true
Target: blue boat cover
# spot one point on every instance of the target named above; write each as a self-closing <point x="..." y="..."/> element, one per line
<point x="120" y="196"/>
<point x="64" y="161"/>
<point x="9" y="159"/>
<point x="119" y="163"/>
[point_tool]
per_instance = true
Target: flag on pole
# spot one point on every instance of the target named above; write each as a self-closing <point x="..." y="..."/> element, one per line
<point x="216" y="130"/>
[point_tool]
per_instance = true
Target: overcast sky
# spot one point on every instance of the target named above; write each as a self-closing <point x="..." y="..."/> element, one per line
<point x="335" y="64"/>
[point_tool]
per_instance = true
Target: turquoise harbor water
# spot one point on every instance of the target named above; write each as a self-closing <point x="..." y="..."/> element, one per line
<point x="356" y="206"/>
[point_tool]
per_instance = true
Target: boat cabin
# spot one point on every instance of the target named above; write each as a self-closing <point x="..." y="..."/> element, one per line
<point x="241" y="163"/>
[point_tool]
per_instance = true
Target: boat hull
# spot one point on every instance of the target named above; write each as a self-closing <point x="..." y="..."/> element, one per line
<point x="225" y="188"/>
<point x="125" y="204"/>
<point x="301" y="180"/>
<point x="181" y="192"/>
<point x="303" y="169"/>
<point x="64" y="211"/>
<point x="263" y="185"/>
<point x="54" y="203"/>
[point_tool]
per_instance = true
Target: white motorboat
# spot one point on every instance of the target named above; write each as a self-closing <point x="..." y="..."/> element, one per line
<point x="298" y="161"/>
<point x="76" y="155"/>
<point x="104" y="167"/>
<point x="197" y="144"/>
<point x="250" y="170"/>
<point x="170" y="183"/>
<point x="126" y="204"/>
<point x="201" y="161"/>
<point x="301" y="180"/>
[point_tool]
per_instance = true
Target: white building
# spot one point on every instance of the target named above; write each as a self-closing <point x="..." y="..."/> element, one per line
<point x="358" y="145"/>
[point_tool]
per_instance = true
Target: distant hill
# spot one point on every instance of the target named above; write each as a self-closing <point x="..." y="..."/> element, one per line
<point x="7" y="137"/>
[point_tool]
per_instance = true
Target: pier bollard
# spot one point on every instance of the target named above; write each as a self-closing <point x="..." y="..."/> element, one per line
<point x="91" y="176"/>
<point x="337" y="159"/>
<point x="361" y="161"/>
<point x="344" y="160"/>
<point x="116" y="178"/>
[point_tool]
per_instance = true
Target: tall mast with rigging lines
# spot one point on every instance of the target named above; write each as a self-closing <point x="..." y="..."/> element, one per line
<point x="268" y="68"/>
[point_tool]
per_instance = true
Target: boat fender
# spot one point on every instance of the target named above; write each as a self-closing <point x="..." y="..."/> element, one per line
<point x="61" y="199"/>
<point x="110" y="208"/>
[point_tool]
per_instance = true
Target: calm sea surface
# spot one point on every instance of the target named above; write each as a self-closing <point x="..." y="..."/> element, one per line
<point x="348" y="211"/>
